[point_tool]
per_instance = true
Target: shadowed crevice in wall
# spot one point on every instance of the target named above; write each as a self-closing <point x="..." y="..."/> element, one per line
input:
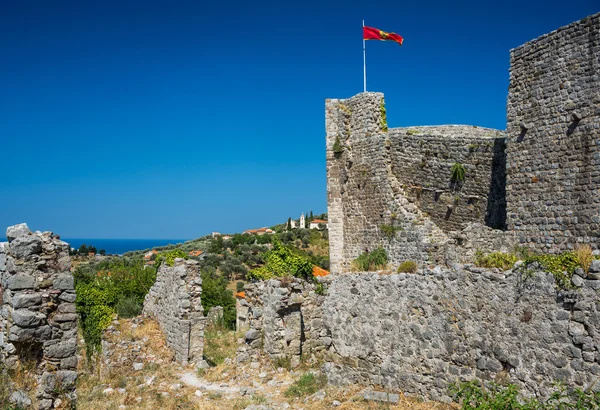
<point x="495" y="216"/>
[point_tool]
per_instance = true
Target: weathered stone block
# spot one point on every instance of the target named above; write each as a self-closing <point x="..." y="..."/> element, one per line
<point x="23" y="247"/>
<point x="21" y="281"/>
<point x="27" y="318"/>
<point x="61" y="350"/>
<point x="64" y="281"/>
<point x="24" y="300"/>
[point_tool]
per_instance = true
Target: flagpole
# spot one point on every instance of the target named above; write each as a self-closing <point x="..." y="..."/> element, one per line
<point x="364" y="62"/>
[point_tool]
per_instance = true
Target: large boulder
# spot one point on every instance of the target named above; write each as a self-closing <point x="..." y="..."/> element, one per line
<point x="16" y="231"/>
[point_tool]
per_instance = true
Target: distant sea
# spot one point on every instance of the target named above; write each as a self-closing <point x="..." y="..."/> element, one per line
<point x="120" y="246"/>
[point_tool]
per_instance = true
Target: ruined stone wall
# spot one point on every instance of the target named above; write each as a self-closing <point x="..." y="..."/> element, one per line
<point x="401" y="178"/>
<point x="419" y="333"/>
<point x="38" y="323"/>
<point x="174" y="300"/>
<point x="553" y="148"/>
<point x="285" y="320"/>
<point x="422" y="158"/>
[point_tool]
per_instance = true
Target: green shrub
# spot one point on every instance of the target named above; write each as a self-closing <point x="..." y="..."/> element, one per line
<point x="169" y="257"/>
<point x="457" y="172"/>
<point x="102" y="286"/>
<point x="389" y="231"/>
<point x="215" y="293"/>
<point x="338" y="148"/>
<point x="282" y="261"/>
<point x="498" y="260"/>
<point x="473" y="395"/>
<point x="306" y="385"/>
<point x="239" y="286"/>
<point x="562" y="266"/>
<point x="128" y="307"/>
<point x="408" y="267"/>
<point x="371" y="261"/>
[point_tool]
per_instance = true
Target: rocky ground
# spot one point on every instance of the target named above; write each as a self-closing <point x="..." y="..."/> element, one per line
<point x="137" y="371"/>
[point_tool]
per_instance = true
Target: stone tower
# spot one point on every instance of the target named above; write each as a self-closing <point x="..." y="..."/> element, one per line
<point x="302" y="221"/>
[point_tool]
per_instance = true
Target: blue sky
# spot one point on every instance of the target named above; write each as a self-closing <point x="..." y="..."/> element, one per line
<point x="172" y="119"/>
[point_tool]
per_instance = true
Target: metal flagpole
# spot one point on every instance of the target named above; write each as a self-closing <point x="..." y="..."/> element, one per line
<point x="364" y="61"/>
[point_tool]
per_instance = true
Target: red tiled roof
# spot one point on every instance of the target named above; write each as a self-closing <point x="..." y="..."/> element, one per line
<point x="318" y="221"/>
<point x="195" y="253"/>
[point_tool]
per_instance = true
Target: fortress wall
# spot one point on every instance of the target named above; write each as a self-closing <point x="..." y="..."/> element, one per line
<point x="378" y="181"/>
<point x="174" y="301"/>
<point x="553" y="148"/>
<point x="38" y="323"/>
<point x="420" y="333"/>
<point x="422" y="158"/>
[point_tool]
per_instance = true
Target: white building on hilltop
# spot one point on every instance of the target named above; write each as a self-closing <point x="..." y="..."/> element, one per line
<point x="301" y="225"/>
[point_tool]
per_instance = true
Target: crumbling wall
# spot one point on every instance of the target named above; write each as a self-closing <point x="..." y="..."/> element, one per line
<point x="420" y="333"/>
<point x="553" y="147"/>
<point x="175" y="301"/>
<point x="38" y="323"/>
<point x="285" y="320"/>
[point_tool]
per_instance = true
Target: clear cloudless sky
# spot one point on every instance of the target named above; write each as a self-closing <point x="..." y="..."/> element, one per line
<point x="172" y="119"/>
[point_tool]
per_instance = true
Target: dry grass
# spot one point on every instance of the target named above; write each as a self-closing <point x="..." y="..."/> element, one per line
<point x="584" y="256"/>
<point x="138" y="395"/>
<point x="219" y="344"/>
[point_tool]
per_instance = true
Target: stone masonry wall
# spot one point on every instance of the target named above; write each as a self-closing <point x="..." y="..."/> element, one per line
<point x="422" y="158"/>
<point x="285" y="320"/>
<point x="553" y="148"/>
<point x="401" y="178"/>
<point x="38" y="323"/>
<point x="175" y="301"/>
<point x="419" y="333"/>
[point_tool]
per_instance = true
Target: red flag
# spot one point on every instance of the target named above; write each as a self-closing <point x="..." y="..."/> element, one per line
<point x="370" y="33"/>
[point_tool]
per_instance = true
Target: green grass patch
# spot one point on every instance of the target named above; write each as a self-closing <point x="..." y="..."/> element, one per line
<point x="498" y="260"/>
<point x="307" y="384"/>
<point x="371" y="261"/>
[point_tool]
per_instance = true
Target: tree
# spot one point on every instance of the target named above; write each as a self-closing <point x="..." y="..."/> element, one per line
<point x="311" y="216"/>
<point x="289" y="224"/>
<point x="102" y="252"/>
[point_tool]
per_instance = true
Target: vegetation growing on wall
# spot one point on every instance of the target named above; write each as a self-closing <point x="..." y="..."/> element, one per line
<point x="498" y="260"/>
<point x="408" y="267"/>
<point x="338" y="148"/>
<point x="389" y="231"/>
<point x="371" y="261"/>
<point x="383" y="120"/>
<point x="457" y="172"/>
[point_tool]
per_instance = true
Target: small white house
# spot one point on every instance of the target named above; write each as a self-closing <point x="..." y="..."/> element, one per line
<point x="314" y="224"/>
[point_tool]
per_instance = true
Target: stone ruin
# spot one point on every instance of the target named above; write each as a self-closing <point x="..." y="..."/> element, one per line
<point x="535" y="185"/>
<point x="175" y="302"/>
<point x="38" y="323"/>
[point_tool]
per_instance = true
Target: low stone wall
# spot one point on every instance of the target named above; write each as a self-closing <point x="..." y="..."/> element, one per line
<point x="285" y="320"/>
<point x="420" y="333"/>
<point x="174" y="300"/>
<point x="38" y="322"/>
